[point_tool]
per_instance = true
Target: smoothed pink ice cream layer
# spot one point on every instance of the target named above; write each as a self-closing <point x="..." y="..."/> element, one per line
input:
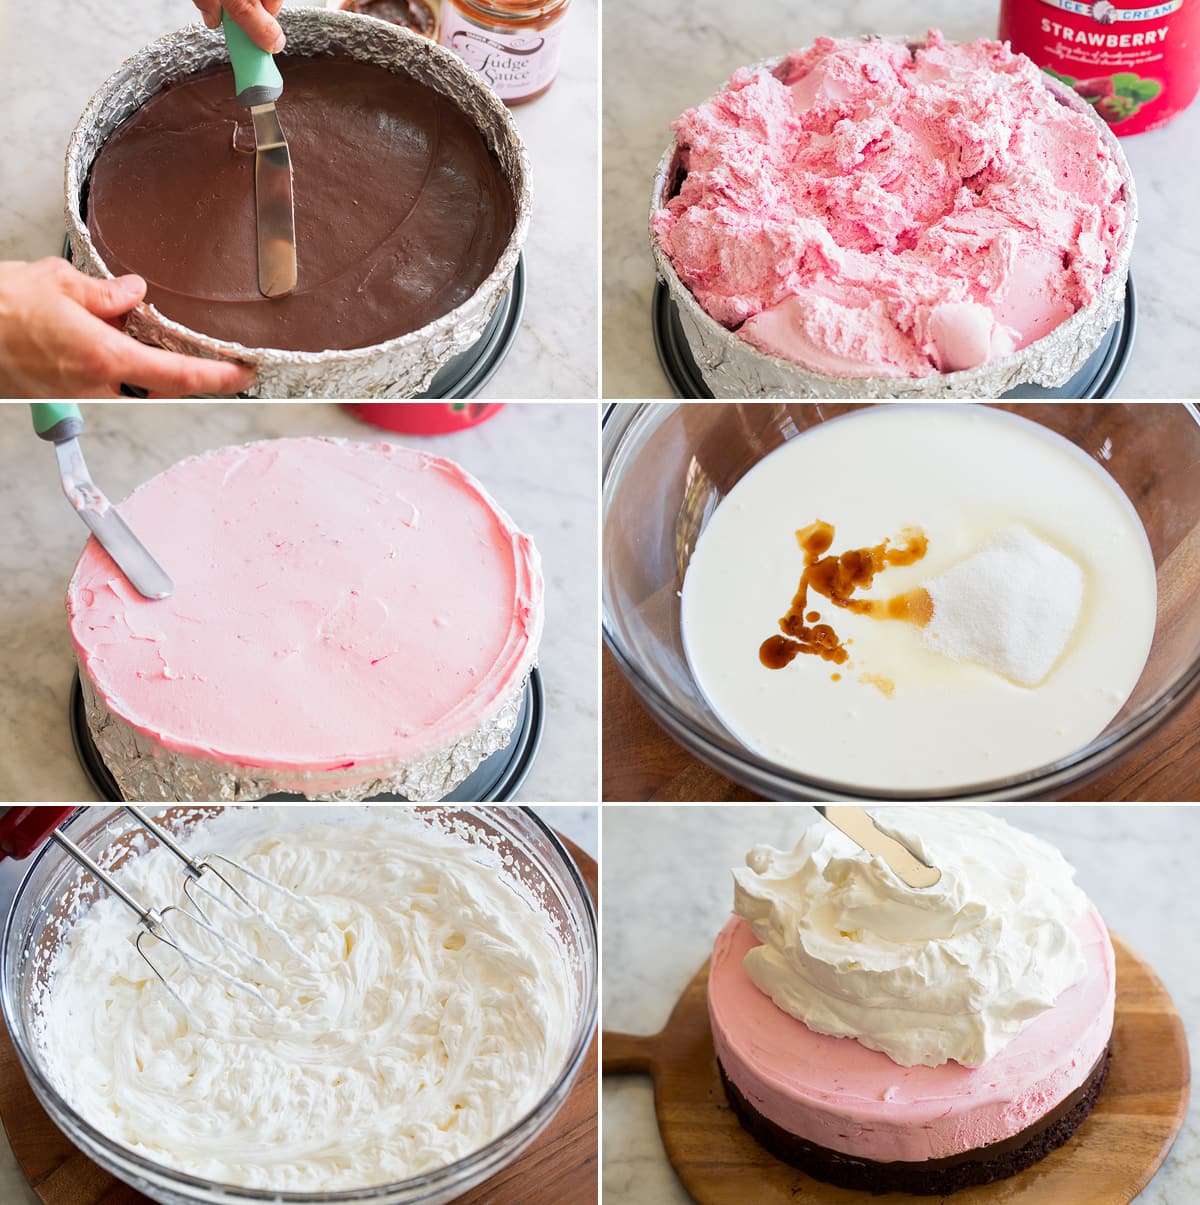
<point x="837" y="1093"/>
<point x="337" y="606"/>
<point x="867" y="210"/>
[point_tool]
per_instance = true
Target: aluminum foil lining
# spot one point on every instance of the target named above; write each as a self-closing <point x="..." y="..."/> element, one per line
<point x="400" y="367"/>
<point x="732" y="368"/>
<point x="146" y="772"/>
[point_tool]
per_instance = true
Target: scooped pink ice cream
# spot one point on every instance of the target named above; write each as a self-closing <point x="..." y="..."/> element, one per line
<point x="869" y="210"/>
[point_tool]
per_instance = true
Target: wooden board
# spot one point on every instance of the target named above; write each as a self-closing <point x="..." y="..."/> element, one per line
<point x="1108" y="1161"/>
<point x="559" y="1168"/>
<point x="645" y="765"/>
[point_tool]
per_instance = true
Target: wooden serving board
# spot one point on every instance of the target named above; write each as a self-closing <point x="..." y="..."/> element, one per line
<point x="643" y="764"/>
<point x="559" y="1168"/>
<point x="1108" y="1161"/>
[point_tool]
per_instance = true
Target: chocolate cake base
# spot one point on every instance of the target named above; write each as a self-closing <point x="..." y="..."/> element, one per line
<point x="402" y="209"/>
<point x="931" y="1177"/>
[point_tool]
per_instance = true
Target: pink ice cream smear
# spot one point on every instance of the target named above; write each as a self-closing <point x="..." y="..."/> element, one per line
<point x="867" y="209"/>
<point x="338" y="605"/>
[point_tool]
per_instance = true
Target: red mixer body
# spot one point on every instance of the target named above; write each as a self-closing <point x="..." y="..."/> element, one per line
<point x="425" y="418"/>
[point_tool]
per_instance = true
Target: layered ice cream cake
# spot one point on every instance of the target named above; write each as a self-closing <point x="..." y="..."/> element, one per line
<point x="349" y="619"/>
<point x="889" y="1039"/>
<point x="867" y="208"/>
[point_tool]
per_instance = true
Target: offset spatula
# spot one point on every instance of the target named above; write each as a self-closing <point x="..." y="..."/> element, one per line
<point x="61" y="424"/>
<point x="259" y="85"/>
<point x="861" y="829"/>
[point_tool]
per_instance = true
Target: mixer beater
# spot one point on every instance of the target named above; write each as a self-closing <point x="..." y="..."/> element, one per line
<point x="209" y="890"/>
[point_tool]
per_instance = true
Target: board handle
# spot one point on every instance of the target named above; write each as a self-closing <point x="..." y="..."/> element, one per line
<point x="628" y="1053"/>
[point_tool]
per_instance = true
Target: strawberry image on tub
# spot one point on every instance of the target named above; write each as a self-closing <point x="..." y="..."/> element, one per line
<point x="1116" y="98"/>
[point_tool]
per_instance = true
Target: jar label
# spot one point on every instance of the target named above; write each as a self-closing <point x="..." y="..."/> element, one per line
<point x="1136" y="64"/>
<point x="516" y="63"/>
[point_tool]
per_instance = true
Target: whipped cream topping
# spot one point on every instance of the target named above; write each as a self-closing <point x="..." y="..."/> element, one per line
<point x="952" y="972"/>
<point x="424" y="1006"/>
<point x="338" y="606"/>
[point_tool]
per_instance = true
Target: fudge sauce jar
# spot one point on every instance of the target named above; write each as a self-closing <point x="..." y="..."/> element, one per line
<point x="1137" y="65"/>
<point x="514" y="45"/>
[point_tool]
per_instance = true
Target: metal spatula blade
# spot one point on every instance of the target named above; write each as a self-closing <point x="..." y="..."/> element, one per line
<point x="274" y="204"/>
<point x="61" y="424"/>
<point x="145" y="574"/>
<point x="259" y="85"/>
<point x="861" y="829"/>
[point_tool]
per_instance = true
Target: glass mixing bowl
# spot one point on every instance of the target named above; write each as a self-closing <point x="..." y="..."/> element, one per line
<point x="667" y="466"/>
<point x="41" y="915"/>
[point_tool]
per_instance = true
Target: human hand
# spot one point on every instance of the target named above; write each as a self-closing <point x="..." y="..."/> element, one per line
<point x="256" y="17"/>
<point x="56" y="340"/>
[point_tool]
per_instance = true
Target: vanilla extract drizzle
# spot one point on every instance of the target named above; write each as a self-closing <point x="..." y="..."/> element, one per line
<point x="838" y="577"/>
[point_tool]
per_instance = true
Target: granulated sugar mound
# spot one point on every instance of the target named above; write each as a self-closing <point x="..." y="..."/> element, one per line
<point x="1011" y="607"/>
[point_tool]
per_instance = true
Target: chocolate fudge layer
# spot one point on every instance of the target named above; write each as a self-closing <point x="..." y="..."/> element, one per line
<point x="402" y="211"/>
<point x="933" y="1177"/>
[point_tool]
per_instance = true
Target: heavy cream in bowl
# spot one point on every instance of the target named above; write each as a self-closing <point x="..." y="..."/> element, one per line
<point x="414" y="1003"/>
<point x="980" y="601"/>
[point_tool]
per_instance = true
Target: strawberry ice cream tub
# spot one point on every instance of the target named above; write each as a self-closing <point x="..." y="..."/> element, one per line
<point x="1137" y="64"/>
<point x="882" y="218"/>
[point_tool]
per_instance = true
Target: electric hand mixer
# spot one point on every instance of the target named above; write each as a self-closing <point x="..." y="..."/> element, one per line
<point x="24" y="829"/>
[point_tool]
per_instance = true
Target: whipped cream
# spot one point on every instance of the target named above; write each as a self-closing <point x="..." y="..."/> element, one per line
<point x="427" y="1007"/>
<point x="952" y="972"/>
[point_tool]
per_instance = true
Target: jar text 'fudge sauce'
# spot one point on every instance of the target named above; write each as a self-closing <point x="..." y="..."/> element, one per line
<point x="515" y="45"/>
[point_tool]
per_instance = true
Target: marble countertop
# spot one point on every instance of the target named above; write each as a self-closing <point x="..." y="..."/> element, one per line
<point x="707" y="43"/>
<point x="551" y="497"/>
<point x="54" y="54"/>
<point x="576" y="822"/>
<point x="673" y="865"/>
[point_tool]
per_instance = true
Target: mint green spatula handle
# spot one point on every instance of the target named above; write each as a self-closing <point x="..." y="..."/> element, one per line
<point x="56" y="421"/>
<point x="255" y="75"/>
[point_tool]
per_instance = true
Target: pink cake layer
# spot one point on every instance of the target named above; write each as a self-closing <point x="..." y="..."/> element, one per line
<point x="840" y="1095"/>
<point x="337" y="606"/>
